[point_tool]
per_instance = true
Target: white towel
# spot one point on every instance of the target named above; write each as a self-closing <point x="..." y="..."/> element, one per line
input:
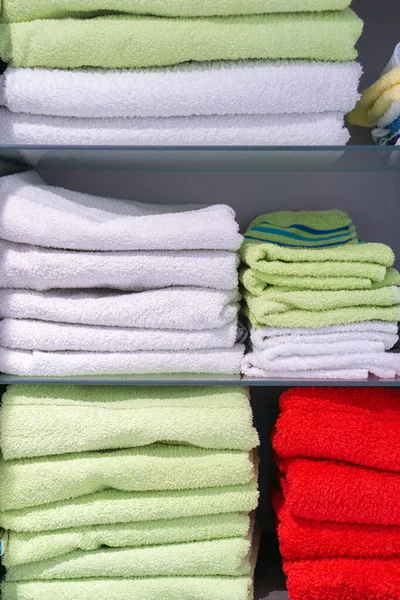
<point x="190" y="309"/>
<point x="38" y="214"/>
<point x="28" y="334"/>
<point x="310" y="129"/>
<point x="394" y="60"/>
<point x="305" y="349"/>
<point x="44" y="364"/>
<point x="32" y="267"/>
<point x="340" y="374"/>
<point x="364" y="327"/>
<point x="219" y="88"/>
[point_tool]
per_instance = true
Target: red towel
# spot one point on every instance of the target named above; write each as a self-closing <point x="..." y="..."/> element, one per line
<point x="302" y="539"/>
<point x="344" y="579"/>
<point x="332" y="491"/>
<point x="356" y="425"/>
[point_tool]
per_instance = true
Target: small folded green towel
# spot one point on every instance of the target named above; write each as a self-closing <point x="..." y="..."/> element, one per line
<point x="117" y="42"/>
<point x="21" y="10"/>
<point x="24" y="548"/>
<point x="37" y="481"/>
<point x="86" y="418"/>
<point x="111" y="506"/>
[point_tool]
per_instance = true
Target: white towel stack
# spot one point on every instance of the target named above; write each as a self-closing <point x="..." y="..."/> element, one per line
<point x="104" y="286"/>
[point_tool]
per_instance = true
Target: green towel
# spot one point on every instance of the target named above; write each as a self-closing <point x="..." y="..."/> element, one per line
<point x="159" y="588"/>
<point x="111" y="506"/>
<point x="21" y="10"/>
<point x="127" y="42"/>
<point x="228" y="558"/>
<point x="23" y="548"/>
<point x="257" y="285"/>
<point x="37" y="481"/>
<point x="85" y="418"/>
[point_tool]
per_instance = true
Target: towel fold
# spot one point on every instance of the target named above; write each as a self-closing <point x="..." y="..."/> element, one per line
<point x="116" y="42"/>
<point x="111" y="506"/>
<point x="319" y="341"/>
<point x="86" y="418"/>
<point x="377" y="100"/>
<point x="355" y="425"/>
<point x="146" y="468"/>
<point x="177" y="308"/>
<point x="352" y="374"/>
<point x="65" y="219"/>
<point x="366" y="328"/>
<point x="42" y="364"/>
<point x="25" y="548"/>
<point x="241" y="87"/>
<point x="18" y="10"/>
<point x="227" y="130"/>
<point x="32" y="267"/>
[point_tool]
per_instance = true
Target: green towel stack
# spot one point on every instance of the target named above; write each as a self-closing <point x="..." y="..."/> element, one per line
<point x="307" y="280"/>
<point x="127" y="492"/>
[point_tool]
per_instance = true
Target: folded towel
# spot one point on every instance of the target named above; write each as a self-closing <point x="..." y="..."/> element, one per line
<point x="229" y="558"/>
<point x="337" y="579"/>
<point x="355" y="425"/>
<point x="154" y="467"/>
<point x="369" y="327"/>
<point x="159" y="588"/>
<point x="273" y="354"/>
<point x="71" y="220"/>
<point x="32" y="267"/>
<point x="86" y="418"/>
<point x="42" y="364"/>
<point x="325" y="374"/>
<point x="111" y="506"/>
<point x="53" y="337"/>
<point x="190" y="89"/>
<point x="303" y="539"/>
<point x="342" y="493"/>
<point x="116" y="42"/>
<point x="377" y="99"/>
<point x="177" y="308"/>
<point x="17" y="10"/>
<point x="290" y="344"/>
<point x="226" y="130"/>
<point x="24" y="548"/>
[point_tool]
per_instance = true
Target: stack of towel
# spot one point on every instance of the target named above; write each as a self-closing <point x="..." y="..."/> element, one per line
<point x="379" y="106"/>
<point x="95" y="285"/>
<point x="127" y="492"/>
<point x="232" y="72"/>
<point x="321" y="304"/>
<point x="338" y="506"/>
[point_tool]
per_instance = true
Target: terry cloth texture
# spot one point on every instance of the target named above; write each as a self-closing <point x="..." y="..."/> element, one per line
<point x="138" y="469"/>
<point x="18" y="10"/>
<point x="117" y="42"/>
<point x="36" y="268"/>
<point x="254" y="130"/>
<point x="369" y="327"/>
<point x="42" y="364"/>
<point x="175" y="308"/>
<point x="71" y="220"/>
<point x="225" y="88"/>
<point x="111" y="507"/>
<point x="341" y="493"/>
<point x="377" y="100"/>
<point x="56" y="419"/>
<point x="355" y="425"/>
<point x="24" y="548"/>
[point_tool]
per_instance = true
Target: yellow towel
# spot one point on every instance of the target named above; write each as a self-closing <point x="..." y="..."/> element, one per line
<point x="377" y="100"/>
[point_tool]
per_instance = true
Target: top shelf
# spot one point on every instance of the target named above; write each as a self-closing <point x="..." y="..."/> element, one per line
<point x="194" y="158"/>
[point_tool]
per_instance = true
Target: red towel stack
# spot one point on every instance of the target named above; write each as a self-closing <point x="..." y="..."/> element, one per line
<point x="338" y="505"/>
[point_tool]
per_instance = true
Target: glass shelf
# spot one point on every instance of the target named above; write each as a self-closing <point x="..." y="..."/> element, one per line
<point x="213" y="158"/>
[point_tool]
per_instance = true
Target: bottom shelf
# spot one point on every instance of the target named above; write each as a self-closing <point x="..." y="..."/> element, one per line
<point x="269" y="577"/>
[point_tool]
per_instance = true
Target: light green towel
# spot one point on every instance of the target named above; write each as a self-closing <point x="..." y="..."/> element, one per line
<point x="111" y="506"/>
<point x="169" y="588"/>
<point x="21" y="10"/>
<point x="23" y="548"/>
<point x="257" y="285"/>
<point x="38" y="481"/>
<point x="85" y="418"/>
<point x="127" y="42"/>
<point x="228" y="558"/>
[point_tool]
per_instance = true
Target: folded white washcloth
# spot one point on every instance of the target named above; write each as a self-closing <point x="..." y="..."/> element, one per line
<point x="340" y="374"/>
<point x="303" y="349"/>
<point x="230" y="130"/>
<point x="262" y="342"/>
<point x="219" y="88"/>
<point x="364" y="327"/>
<point x="43" y="364"/>
<point x="42" y="215"/>
<point x="26" y="334"/>
<point x="186" y="309"/>
<point x="32" y="267"/>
